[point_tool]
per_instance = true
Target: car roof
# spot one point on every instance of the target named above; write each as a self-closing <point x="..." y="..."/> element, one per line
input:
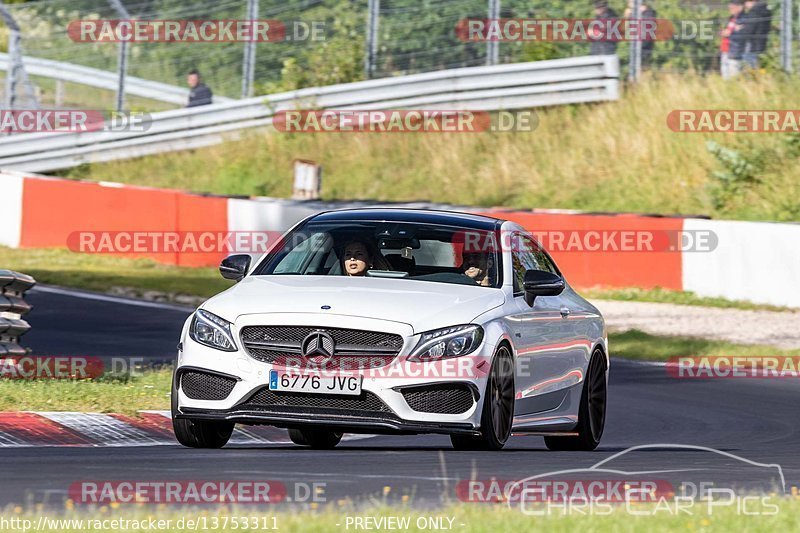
<point x="422" y="216"/>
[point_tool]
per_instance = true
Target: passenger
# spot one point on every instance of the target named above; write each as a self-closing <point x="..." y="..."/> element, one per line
<point x="356" y="258"/>
<point x="476" y="266"/>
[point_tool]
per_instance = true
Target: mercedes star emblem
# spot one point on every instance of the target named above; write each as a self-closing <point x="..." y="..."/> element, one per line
<point x="318" y="347"/>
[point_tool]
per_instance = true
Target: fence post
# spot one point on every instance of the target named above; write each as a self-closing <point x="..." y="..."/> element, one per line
<point x="122" y="58"/>
<point x="371" y="52"/>
<point x="493" y="47"/>
<point x="12" y="307"/>
<point x="11" y="74"/>
<point x="122" y="69"/>
<point x="249" y="63"/>
<point x="635" y="54"/>
<point x="16" y="73"/>
<point x="786" y="35"/>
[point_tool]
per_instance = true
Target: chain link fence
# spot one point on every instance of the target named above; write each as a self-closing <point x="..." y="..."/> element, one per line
<point x="358" y="39"/>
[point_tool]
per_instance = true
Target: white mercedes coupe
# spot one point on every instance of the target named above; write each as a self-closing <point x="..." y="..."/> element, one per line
<point x="395" y="321"/>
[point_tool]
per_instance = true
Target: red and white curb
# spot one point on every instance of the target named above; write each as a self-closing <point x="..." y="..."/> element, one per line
<point x="149" y="428"/>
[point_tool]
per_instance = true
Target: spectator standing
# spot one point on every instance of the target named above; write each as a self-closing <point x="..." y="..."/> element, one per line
<point x="647" y="12"/>
<point x="725" y="46"/>
<point x="601" y="46"/>
<point x="737" y="40"/>
<point x="199" y="93"/>
<point x="759" y="20"/>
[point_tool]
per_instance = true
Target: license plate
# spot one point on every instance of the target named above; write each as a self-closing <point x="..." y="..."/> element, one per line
<point x="314" y="383"/>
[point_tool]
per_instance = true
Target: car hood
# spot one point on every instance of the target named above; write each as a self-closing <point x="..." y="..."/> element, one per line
<point x="421" y="304"/>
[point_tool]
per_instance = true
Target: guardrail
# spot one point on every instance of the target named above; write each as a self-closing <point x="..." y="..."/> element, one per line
<point x="12" y="308"/>
<point x="491" y="88"/>
<point x="103" y="79"/>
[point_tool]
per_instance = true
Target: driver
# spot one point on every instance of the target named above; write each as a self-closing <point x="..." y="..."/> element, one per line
<point x="356" y="258"/>
<point x="475" y="265"/>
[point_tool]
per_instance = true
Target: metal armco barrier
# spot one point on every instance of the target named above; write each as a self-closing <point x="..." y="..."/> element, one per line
<point x="102" y="79"/>
<point x="12" y="308"/>
<point x="491" y="88"/>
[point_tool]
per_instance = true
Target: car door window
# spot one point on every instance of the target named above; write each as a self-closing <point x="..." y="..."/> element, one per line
<point x="544" y="262"/>
<point x="523" y="258"/>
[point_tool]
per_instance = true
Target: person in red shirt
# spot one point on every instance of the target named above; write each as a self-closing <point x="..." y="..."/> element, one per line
<point x="727" y="66"/>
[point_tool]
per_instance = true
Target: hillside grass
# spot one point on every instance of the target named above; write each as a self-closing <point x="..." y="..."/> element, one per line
<point x="617" y="156"/>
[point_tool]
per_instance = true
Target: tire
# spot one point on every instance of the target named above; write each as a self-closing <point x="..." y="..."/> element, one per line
<point x="198" y="433"/>
<point x="318" y="439"/>
<point x="498" y="407"/>
<point x="591" y="413"/>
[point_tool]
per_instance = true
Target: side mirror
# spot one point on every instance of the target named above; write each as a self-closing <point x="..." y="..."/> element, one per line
<point x="541" y="283"/>
<point x="234" y="266"/>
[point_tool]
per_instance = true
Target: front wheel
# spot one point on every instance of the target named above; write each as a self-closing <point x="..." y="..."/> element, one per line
<point x="591" y="413"/>
<point x="319" y="439"/>
<point x="199" y="433"/>
<point x="498" y="407"/>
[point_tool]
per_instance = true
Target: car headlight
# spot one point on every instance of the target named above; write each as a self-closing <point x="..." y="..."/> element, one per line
<point x="454" y="341"/>
<point x="213" y="331"/>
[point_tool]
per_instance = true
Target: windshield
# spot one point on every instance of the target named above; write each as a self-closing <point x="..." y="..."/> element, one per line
<point x="399" y="250"/>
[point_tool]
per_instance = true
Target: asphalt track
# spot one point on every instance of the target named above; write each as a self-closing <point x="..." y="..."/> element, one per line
<point x="78" y="323"/>
<point x="754" y="420"/>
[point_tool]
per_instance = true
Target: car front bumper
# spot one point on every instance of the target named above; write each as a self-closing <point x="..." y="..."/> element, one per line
<point x="386" y="408"/>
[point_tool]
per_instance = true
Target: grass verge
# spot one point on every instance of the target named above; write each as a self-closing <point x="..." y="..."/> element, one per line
<point x="642" y="346"/>
<point x="100" y="273"/>
<point x="659" y="295"/>
<point x="146" y="391"/>
<point x="468" y="518"/>
<point x="150" y="389"/>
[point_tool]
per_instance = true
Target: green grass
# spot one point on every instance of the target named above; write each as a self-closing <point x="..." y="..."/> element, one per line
<point x="467" y="518"/>
<point x="617" y="156"/>
<point x="150" y="389"/>
<point x="100" y="272"/>
<point x="145" y="391"/>
<point x="636" y="344"/>
<point x="659" y="295"/>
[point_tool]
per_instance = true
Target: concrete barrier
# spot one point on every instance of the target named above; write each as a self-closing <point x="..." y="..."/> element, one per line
<point x="753" y="261"/>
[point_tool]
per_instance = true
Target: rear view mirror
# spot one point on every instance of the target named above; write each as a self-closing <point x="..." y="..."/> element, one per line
<point x="235" y="266"/>
<point x="541" y="283"/>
